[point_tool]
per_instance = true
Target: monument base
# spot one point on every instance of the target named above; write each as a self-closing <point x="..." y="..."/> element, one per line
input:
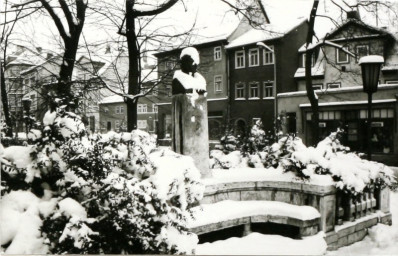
<point x="190" y="130"/>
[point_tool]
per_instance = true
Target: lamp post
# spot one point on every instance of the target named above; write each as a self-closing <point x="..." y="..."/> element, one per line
<point x="370" y="66"/>
<point x="26" y="103"/>
<point x="274" y="87"/>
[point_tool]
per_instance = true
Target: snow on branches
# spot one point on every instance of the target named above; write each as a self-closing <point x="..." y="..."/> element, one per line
<point x="112" y="193"/>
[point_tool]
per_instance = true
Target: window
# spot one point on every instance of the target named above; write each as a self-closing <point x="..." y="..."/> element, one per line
<point x="317" y="86"/>
<point x="239" y="59"/>
<point x="142" y="108"/>
<point x="268" y="56"/>
<point x="254" y="90"/>
<point x="362" y="50"/>
<point x="217" y="53"/>
<point x="240" y="91"/>
<point x="218" y="83"/>
<point x="334" y="85"/>
<point x="155" y="108"/>
<point x="342" y="57"/>
<point x="119" y="109"/>
<point x="303" y="60"/>
<point x="117" y="124"/>
<point x="142" y="124"/>
<point x="268" y="89"/>
<point x="254" y="58"/>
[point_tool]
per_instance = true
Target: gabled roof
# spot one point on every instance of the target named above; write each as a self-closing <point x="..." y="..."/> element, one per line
<point x="359" y="23"/>
<point x="271" y="32"/>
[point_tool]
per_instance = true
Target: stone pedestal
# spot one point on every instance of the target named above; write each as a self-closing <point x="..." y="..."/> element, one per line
<point x="190" y="129"/>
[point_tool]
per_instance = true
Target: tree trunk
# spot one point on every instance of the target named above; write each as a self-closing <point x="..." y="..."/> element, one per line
<point x="308" y="77"/>
<point x="67" y="65"/>
<point x="134" y="67"/>
<point x="4" y="100"/>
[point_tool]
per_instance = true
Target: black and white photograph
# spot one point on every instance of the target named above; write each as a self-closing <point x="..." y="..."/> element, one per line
<point x="199" y="127"/>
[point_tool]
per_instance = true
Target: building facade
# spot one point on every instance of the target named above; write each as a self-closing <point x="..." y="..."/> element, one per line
<point x="257" y="73"/>
<point x="338" y="84"/>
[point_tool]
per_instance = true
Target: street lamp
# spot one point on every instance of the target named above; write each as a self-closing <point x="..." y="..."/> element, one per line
<point x="370" y="66"/>
<point x="274" y="87"/>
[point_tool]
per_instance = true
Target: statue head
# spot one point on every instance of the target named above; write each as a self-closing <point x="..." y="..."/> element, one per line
<point x="189" y="59"/>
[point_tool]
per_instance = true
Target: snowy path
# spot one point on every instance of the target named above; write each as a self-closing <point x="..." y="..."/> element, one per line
<point x="382" y="240"/>
<point x="259" y="244"/>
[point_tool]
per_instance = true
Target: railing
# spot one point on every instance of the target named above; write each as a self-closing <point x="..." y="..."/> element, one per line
<point x="350" y="207"/>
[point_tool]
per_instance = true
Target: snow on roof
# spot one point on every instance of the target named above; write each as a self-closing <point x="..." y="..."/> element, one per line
<point x="112" y="99"/>
<point x="317" y="70"/>
<point x="392" y="66"/>
<point x="270" y="31"/>
<point x="338" y="103"/>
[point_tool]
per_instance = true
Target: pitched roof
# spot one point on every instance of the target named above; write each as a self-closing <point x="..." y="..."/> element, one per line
<point x="271" y="31"/>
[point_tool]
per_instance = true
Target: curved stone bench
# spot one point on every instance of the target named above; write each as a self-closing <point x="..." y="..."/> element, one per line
<point x="337" y="215"/>
<point x="227" y="214"/>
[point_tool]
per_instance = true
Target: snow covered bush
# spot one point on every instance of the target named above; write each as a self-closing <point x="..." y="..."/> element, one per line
<point x="351" y="173"/>
<point x="115" y="193"/>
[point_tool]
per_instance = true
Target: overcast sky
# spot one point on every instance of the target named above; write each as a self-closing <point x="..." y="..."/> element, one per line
<point x="211" y="17"/>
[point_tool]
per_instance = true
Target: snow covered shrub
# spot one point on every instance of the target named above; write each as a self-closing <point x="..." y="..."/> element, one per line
<point x="115" y="193"/>
<point x="257" y="139"/>
<point x="352" y="174"/>
<point x="229" y="142"/>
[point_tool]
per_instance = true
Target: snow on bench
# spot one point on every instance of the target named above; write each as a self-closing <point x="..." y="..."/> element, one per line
<point x="226" y="214"/>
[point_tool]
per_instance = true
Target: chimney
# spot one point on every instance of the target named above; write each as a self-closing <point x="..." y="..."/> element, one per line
<point x="39" y="49"/>
<point x="353" y="15"/>
<point x="49" y="56"/>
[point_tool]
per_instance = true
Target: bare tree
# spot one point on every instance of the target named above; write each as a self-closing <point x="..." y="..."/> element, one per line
<point x="74" y="16"/>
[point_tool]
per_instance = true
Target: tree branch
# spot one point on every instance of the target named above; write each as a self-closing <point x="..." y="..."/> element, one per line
<point x="165" y="6"/>
<point x="56" y="20"/>
<point x="68" y="14"/>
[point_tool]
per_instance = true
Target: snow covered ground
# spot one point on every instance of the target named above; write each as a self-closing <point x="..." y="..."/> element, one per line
<point x="382" y="240"/>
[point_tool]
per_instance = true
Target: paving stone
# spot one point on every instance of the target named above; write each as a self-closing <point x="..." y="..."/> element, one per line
<point x="343" y="241"/>
<point x="259" y="219"/>
<point x="308" y="231"/>
<point x="332" y="246"/>
<point x="386" y="219"/>
<point x="366" y="223"/>
<point x="346" y="231"/>
<point x="266" y="195"/>
<point x="227" y="196"/>
<point x="282" y="196"/>
<point x="357" y="236"/>
<point x="249" y="195"/>
<point x="331" y="237"/>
